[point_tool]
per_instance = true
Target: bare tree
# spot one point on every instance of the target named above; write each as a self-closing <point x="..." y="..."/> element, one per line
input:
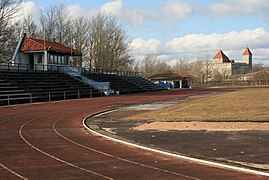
<point x="196" y="70"/>
<point x="63" y="24"/>
<point x="48" y="23"/>
<point x="150" y="66"/>
<point x="182" y="66"/>
<point x="29" y="26"/>
<point x="109" y="46"/>
<point x="8" y="10"/>
<point x="207" y="71"/>
<point x="80" y="38"/>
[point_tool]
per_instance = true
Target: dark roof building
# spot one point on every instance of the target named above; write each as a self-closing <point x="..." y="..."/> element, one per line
<point x="171" y="80"/>
<point x="168" y="76"/>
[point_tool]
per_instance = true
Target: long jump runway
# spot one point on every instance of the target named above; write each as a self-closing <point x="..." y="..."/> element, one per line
<point x="48" y="141"/>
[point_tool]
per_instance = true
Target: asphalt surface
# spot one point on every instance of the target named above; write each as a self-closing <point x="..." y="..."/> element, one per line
<point x="48" y="141"/>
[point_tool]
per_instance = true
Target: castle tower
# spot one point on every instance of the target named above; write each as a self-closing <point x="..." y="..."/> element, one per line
<point x="247" y="57"/>
<point x="220" y="57"/>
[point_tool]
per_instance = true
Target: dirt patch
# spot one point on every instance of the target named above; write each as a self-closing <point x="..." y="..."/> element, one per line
<point x="209" y="126"/>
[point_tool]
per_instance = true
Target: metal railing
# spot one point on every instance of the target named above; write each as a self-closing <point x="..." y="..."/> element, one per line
<point x="238" y="83"/>
<point x="10" y="97"/>
<point x="18" y="67"/>
<point x="102" y="71"/>
<point x="48" y="96"/>
<point x="101" y="86"/>
<point x="58" y="68"/>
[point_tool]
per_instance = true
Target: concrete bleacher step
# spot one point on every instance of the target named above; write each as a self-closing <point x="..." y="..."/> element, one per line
<point x="41" y="85"/>
<point x="15" y="91"/>
<point x="116" y="83"/>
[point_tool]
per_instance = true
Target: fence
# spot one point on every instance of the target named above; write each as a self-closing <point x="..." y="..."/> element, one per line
<point x="102" y="71"/>
<point x="15" y="97"/>
<point x="8" y="99"/>
<point x="59" y="68"/>
<point x="230" y="83"/>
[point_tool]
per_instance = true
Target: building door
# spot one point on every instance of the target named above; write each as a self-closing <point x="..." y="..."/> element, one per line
<point x="32" y="62"/>
<point x="176" y="84"/>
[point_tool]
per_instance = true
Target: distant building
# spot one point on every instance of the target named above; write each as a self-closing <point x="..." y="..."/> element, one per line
<point x="40" y="54"/>
<point x="172" y="80"/>
<point x="222" y="64"/>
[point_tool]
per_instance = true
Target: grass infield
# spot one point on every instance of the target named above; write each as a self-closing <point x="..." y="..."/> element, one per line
<point x="246" y="105"/>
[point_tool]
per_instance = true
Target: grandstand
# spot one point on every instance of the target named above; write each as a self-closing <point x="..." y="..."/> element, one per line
<point x="125" y="84"/>
<point x="22" y="85"/>
<point x="28" y="86"/>
<point x="42" y="71"/>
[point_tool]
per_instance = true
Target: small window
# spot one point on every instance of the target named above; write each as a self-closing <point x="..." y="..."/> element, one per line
<point x="54" y="59"/>
<point x="39" y="60"/>
<point x="62" y="59"/>
<point x="51" y="59"/>
<point x="66" y="60"/>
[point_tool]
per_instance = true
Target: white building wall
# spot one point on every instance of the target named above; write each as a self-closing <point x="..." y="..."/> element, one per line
<point x="22" y="58"/>
<point x="222" y="68"/>
<point x="217" y="60"/>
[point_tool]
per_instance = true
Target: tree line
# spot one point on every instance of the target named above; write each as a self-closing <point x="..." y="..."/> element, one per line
<point x="198" y="70"/>
<point x="103" y="42"/>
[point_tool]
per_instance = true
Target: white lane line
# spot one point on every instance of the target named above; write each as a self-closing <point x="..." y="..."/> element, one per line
<point x="200" y="161"/>
<point x="119" y="158"/>
<point x="58" y="159"/>
<point x="12" y="172"/>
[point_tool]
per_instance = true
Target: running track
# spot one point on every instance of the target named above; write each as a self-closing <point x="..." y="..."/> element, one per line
<point x="48" y="141"/>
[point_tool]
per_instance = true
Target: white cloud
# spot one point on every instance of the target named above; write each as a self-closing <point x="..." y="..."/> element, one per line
<point x="170" y="10"/>
<point x="76" y="11"/>
<point x="240" y="7"/>
<point x="176" y="10"/>
<point x="130" y="16"/>
<point x="144" y="47"/>
<point x="199" y="45"/>
<point x="29" y="8"/>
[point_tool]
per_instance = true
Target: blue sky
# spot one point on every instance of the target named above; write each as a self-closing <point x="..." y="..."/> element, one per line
<point x="174" y="29"/>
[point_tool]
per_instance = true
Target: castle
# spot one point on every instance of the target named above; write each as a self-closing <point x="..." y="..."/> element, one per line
<point x="223" y="65"/>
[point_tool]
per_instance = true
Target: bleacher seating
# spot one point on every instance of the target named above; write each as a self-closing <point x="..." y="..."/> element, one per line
<point x="43" y="86"/>
<point x="10" y="94"/>
<point x="125" y="84"/>
<point x="147" y="85"/>
<point x="116" y="83"/>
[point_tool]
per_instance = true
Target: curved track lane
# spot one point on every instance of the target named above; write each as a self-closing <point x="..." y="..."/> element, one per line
<point x="48" y="141"/>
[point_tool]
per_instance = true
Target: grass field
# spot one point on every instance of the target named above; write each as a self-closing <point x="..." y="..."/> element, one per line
<point x="247" y="104"/>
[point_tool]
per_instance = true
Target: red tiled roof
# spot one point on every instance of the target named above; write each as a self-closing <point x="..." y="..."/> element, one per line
<point x="247" y="52"/>
<point x="168" y="76"/>
<point x="220" y="55"/>
<point x="32" y="44"/>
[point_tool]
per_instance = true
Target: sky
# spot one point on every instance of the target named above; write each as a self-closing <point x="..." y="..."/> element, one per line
<point x="177" y="29"/>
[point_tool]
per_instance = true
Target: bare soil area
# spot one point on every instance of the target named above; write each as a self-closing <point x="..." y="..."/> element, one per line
<point x="209" y="126"/>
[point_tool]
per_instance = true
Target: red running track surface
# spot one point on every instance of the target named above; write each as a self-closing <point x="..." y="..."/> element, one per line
<point x="48" y="141"/>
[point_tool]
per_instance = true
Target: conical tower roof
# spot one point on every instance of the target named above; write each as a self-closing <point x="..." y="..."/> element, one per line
<point x="220" y="55"/>
<point x="247" y="52"/>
